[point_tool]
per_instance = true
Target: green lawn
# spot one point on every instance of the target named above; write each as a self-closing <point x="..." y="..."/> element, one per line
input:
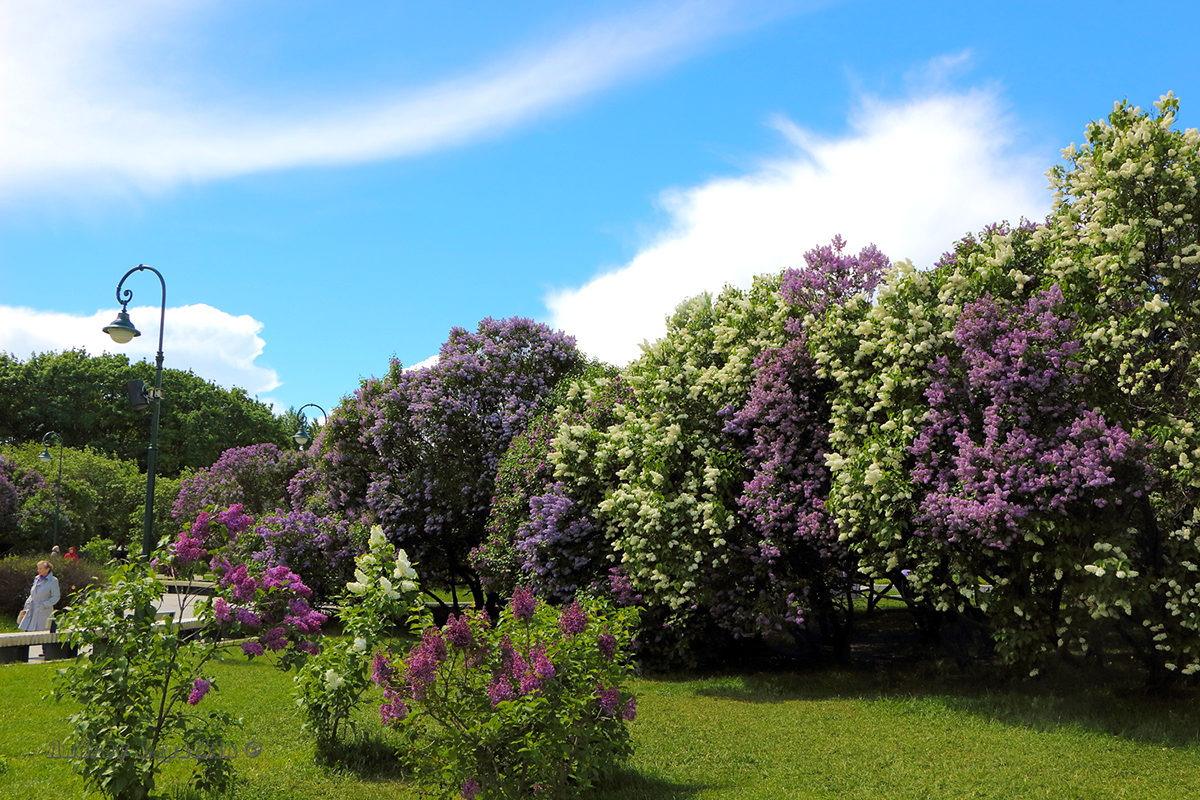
<point x="907" y="733"/>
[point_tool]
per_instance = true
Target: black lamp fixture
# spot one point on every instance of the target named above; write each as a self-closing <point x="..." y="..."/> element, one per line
<point x="303" y="436"/>
<point x="45" y="457"/>
<point x="122" y="331"/>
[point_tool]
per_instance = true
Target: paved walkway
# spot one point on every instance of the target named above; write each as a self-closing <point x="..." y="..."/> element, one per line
<point x="182" y="606"/>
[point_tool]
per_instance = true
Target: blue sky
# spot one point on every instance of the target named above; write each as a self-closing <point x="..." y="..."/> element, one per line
<point x="327" y="185"/>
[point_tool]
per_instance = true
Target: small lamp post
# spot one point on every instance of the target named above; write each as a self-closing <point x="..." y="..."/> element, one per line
<point x="303" y="436"/>
<point x="46" y="458"/>
<point x="122" y="331"/>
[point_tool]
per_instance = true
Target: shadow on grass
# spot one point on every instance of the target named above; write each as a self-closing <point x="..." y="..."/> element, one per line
<point x="1090" y="700"/>
<point x="364" y="755"/>
<point x="632" y="785"/>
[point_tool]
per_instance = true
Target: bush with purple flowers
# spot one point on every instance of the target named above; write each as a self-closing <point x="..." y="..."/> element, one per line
<point x="534" y="703"/>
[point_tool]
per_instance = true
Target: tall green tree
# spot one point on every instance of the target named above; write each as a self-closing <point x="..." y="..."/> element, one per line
<point x="84" y="399"/>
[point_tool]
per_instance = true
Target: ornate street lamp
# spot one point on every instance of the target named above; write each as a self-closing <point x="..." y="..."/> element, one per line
<point x="46" y="458"/>
<point x="121" y="330"/>
<point x="302" y="436"/>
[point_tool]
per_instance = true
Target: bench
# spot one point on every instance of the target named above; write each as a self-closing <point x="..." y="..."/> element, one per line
<point x="14" y="647"/>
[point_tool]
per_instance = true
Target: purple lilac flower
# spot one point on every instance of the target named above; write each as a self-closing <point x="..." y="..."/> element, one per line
<point x="200" y="688"/>
<point x="252" y="648"/>
<point x="574" y="619"/>
<point x="629" y="711"/>
<point x="188" y="550"/>
<point x="530" y="683"/>
<point x="312" y="648"/>
<point x="542" y="666"/>
<point x="609" y="698"/>
<point x="393" y="709"/>
<point x="500" y="690"/>
<point x="275" y="639"/>
<point x="248" y="618"/>
<point x="458" y="632"/>
<point x="382" y="671"/>
<point x="470" y="788"/>
<point x="606" y="643"/>
<point x="523" y="604"/>
<point x="221" y="610"/>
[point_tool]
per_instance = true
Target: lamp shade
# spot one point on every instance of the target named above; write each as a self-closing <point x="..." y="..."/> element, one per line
<point x="302" y="436"/>
<point x="45" y="455"/>
<point x="121" y="329"/>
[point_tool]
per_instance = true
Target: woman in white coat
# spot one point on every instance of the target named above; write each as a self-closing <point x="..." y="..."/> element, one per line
<point x="42" y="597"/>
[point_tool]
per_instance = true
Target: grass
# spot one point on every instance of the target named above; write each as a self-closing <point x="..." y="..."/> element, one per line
<point x="902" y="733"/>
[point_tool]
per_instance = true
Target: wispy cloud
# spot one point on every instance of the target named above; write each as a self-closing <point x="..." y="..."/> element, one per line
<point x="77" y="103"/>
<point x="216" y="345"/>
<point x="910" y="176"/>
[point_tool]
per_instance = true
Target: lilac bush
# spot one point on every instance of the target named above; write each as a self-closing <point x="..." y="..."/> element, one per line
<point x="1019" y="477"/>
<point x="255" y="477"/>
<point x="436" y="436"/>
<point x="534" y="704"/>
<point x="539" y="533"/>
<point x="794" y="548"/>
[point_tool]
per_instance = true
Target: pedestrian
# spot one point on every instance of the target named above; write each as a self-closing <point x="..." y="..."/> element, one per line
<point x="35" y="616"/>
<point x="54" y="552"/>
<point x="71" y="554"/>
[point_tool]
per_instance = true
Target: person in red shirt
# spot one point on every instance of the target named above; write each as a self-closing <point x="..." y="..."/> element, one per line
<point x="71" y="554"/>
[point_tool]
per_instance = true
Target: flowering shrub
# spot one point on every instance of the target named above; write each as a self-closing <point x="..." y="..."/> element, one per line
<point x="540" y="534"/>
<point x="383" y="594"/>
<point x="667" y="476"/>
<point x="796" y="554"/>
<point x="321" y="550"/>
<point x="534" y="704"/>
<point x="17" y="488"/>
<point x="431" y="438"/>
<point x="136" y="690"/>
<point x="254" y="477"/>
<point x="268" y="603"/>
<point x="141" y="677"/>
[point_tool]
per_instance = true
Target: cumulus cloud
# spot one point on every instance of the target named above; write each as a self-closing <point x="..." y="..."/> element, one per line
<point x="910" y="176"/>
<point x="93" y="94"/>
<point x="216" y="345"/>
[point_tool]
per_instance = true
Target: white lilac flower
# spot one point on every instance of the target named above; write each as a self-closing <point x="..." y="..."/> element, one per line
<point x="333" y="681"/>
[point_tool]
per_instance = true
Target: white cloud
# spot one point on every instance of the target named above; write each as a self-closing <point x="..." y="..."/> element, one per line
<point x="94" y="92"/>
<point x="912" y="177"/>
<point x="217" y="346"/>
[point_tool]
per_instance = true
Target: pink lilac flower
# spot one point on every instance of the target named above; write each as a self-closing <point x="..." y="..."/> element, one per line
<point x="470" y="788"/>
<point x="252" y="648"/>
<point x="200" y="688"/>
<point x="542" y="666"/>
<point x="221" y="610"/>
<point x="606" y="643"/>
<point x="458" y="632"/>
<point x="573" y="620"/>
<point x="523" y="604"/>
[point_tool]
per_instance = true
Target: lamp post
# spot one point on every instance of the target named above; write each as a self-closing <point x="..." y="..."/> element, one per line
<point x="302" y="436"/>
<point x="122" y="331"/>
<point x="46" y="458"/>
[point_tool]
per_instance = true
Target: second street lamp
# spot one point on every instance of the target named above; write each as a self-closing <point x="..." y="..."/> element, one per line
<point x="46" y="458"/>
<point x="122" y="330"/>
<point x="303" y="436"/>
